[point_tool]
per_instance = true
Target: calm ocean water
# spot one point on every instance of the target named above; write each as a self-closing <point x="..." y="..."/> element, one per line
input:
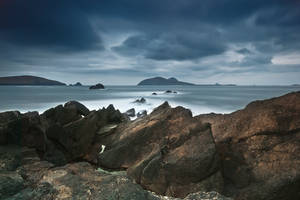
<point x="200" y="99"/>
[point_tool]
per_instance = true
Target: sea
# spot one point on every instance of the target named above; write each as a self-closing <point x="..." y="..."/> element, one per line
<point x="199" y="99"/>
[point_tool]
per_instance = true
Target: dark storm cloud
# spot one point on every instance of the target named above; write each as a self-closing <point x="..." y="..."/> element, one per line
<point x="169" y="35"/>
<point x="178" y="46"/>
<point x="48" y="24"/>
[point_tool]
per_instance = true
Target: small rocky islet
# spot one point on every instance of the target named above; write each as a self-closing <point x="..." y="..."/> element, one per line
<point x="70" y="152"/>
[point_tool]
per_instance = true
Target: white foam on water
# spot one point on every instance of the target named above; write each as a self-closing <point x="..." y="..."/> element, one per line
<point x="124" y="104"/>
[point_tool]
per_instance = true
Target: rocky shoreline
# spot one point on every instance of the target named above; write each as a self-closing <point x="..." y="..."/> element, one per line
<point x="69" y="152"/>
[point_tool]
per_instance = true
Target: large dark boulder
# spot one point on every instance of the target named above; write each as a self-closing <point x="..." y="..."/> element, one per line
<point x="130" y="112"/>
<point x="80" y="108"/>
<point x="5" y="118"/>
<point x="167" y="152"/>
<point x="75" y="138"/>
<point x="26" y="130"/>
<point x="260" y="148"/>
<point x="97" y="86"/>
<point x="62" y="114"/>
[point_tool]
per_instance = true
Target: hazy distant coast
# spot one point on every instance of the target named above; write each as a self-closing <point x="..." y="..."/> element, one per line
<point x="28" y="80"/>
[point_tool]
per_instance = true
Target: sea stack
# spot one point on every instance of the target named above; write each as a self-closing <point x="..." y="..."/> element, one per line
<point x="97" y="86"/>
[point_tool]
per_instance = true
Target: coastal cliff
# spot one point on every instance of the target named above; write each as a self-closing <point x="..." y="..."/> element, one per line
<point x="69" y="152"/>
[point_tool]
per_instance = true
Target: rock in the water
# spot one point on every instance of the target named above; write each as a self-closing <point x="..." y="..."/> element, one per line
<point x="141" y="100"/>
<point x="167" y="152"/>
<point x="80" y="108"/>
<point x="10" y="183"/>
<point x="260" y="148"/>
<point x="130" y="112"/>
<point x="76" y="84"/>
<point x="141" y="113"/>
<point x="170" y="91"/>
<point x="154" y="93"/>
<point x="97" y="86"/>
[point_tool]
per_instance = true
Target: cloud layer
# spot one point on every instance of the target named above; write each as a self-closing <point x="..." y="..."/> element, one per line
<point x="236" y="41"/>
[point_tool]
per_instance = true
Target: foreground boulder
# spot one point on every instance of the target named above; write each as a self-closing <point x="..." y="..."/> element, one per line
<point x="80" y="108"/>
<point x="32" y="178"/>
<point x="76" y="137"/>
<point x="61" y="134"/>
<point x="167" y="152"/>
<point x="260" y="148"/>
<point x="24" y="129"/>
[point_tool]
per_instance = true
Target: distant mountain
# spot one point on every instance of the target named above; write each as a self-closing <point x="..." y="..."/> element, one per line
<point x="27" y="80"/>
<point x="163" y="81"/>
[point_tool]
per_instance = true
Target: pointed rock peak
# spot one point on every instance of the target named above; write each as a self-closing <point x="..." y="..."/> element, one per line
<point x="110" y="107"/>
<point x="163" y="106"/>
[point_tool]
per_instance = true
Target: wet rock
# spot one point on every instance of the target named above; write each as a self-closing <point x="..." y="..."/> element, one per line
<point x="97" y="86"/>
<point x="141" y="100"/>
<point x="80" y="108"/>
<point x="260" y="147"/>
<point x="167" y="152"/>
<point x="130" y="112"/>
<point x="170" y="91"/>
<point x="141" y="113"/>
<point x="154" y="93"/>
<point x="10" y="183"/>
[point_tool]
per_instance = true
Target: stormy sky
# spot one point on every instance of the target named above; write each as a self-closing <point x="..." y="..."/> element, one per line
<point x="124" y="41"/>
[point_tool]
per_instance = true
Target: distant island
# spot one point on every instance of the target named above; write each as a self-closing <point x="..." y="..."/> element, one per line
<point x="27" y="80"/>
<point x="163" y="81"/>
<point x="76" y="84"/>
